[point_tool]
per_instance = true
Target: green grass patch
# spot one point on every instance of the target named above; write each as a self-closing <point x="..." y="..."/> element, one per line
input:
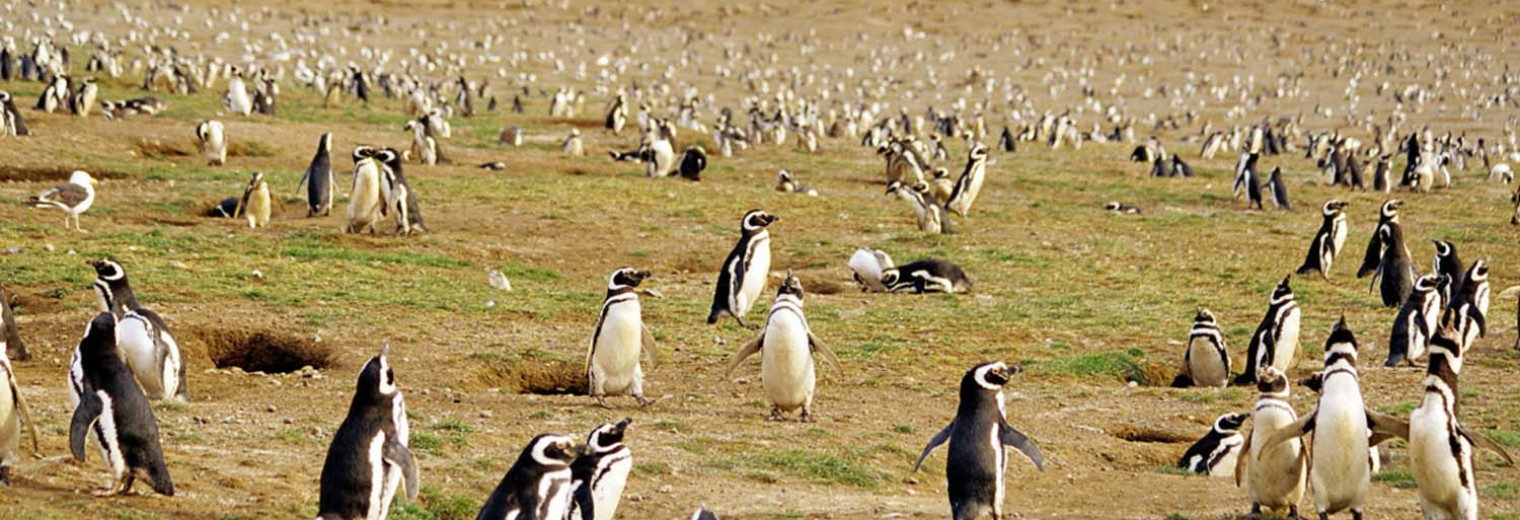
<point x="1125" y="365"/>
<point x="1398" y="478"/>
<point x="433" y="504"/>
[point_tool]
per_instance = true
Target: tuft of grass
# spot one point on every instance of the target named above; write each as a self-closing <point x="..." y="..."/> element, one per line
<point x="1174" y="470"/>
<point x="1508" y="438"/>
<point x="847" y="469"/>
<point x="1502" y="490"/>
<point x="651" y="468"/>
<point x="1176" y="516"/>
<point x="1125" y="365"/>
<point x="1398" y="478"/>
<point x="1398" y="410"/>
<point x="905" y="428"/>
<point x="433" y="504"/>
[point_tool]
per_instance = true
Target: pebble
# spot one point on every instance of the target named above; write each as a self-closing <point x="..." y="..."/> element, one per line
<point x="48" y="247"/>
<point x="485" y="414"/>
<point x="258" y="274"/>
<point x="666" y="488"/>
<point x="178" y="264"/>
<point x="271" y="409"/>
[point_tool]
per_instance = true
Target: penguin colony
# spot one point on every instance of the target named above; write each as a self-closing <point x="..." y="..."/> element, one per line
<point x="128" y="356"/>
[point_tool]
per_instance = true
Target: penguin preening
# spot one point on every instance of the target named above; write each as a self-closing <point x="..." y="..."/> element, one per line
<point x="1275" y="342"/>
<point x="970" y="183"/>
<point x="211" y="138"/>
<point x="321" y="186"/>
<point x="114" y="409"/>
<point x="1272" y="476"/>
<point x="786" y="348"/>
<point x="620" y="338"/>
<point x="1327" y="241"/>
<point x="1206" y="361"/>
<point x="930" y="215"/>
<point x="1216" y="452"/>
<point x="744" y="273"/>
<point x="255" y="204"/>
<point x="693" y="163"/>
<point x="599" y="476"/>
<point x="538" y="486"/>
<point x="370" y="454"/>
<point x="974" y="468"/>
<point x="147" y="346"/>
<point x="867" y="266"/>
<point x="926" y="276"/>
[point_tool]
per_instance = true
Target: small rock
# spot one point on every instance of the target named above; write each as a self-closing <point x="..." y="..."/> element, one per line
<point x="490" y="304"/>
<point x="666" y="489"/>
<point x="178" y="264"/>
<point x="742" y="381"/>
<point x="1132" y="384"/>
<point x="72" y="253"/>
<point x="271" y="409"/>
<point x="499" y="280"/>
<point x="48" y="247"/>
<point x="485" y="414"/>
<point x="257" y="274"/>
<point x="288" y="420"/>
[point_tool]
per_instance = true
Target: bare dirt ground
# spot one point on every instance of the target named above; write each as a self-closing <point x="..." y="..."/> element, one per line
<point x="1086" y="300"/>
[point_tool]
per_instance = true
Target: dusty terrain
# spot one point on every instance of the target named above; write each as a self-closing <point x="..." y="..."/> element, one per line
<point x="1086" y="300"/>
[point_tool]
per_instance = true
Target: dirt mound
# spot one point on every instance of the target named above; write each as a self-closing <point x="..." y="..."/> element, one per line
<point x="536" y="377"/>
<point x="267" y="351"/>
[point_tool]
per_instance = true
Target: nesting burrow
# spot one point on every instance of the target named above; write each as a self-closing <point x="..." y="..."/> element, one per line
<point x="530" y="376"/>
<point x="18" y="173"/>
<point x="1149" y="435"/>
<point x="267" y="351"/>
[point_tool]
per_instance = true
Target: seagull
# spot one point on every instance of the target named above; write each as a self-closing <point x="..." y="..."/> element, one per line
<point x="73" y="198"/>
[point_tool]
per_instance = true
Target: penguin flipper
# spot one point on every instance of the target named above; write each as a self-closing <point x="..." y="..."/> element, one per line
<point x="744" y="353"/>
<point x="1385" y="427"/>
<point x="648" y="344"/>
<point x="398" y="454"/>
<point x="938" y="439"/>
<point x="1021" y="442"/>
<point x="85" y="415"/>
<point x="21" y="408"/>
<point x="304" y="177"/>
<point x="1373" y="257"/>
<point x="827" y="354"/>
<point x="1297" y="429"/>
<point x="1242" y="464"/>
<point x="1480" y="320"/>
<point x="1482" y="441"/>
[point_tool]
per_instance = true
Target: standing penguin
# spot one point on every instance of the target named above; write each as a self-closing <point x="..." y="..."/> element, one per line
<point x="975" y="466"/>
<point x="1381" y="182"/>
<point x="8" y="333"/>
<point x="212" y="140"/>
<point x="1469" y="307"/>
<point x="1245" y="173"/>
<point x="1328" y="241"/>
<point x="1388" y="215"/>
<point x="146" y="344"/>
<point x="365" y="207"/>
<point x="113" y="407"/>
<point x="1275" y="342"/>
<point x="13" y="411"/>
<point x="538" y="485"/>
<point x="10" y="118"/>
<point x="1416" y="321"/>
<point x="255" y="204"/>
<point x="1440" y="449"/>
<point x="970" y="183"/>
<point x="746" y="269"/>
<point x="600" y="475"/>
<point x="1340" y="470"/>
<point x="370" y="454"/>
<point x="786" y="350"/>
<point x="321" y="187"/>
<point x="1216" y="453"/>
<point x="1207" y="362"/>
<point x="1448" y="266"/>
<point x="398" y="194"/>
<point x="1395" y="272"/>
<point x="1273" y="477"/>
<point x="612" y="363"/>
<point x="1278" y="190"/>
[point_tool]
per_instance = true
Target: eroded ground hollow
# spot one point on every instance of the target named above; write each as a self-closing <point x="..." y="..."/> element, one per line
<point x="530" y="376"/>
<point x="271" y="352"/>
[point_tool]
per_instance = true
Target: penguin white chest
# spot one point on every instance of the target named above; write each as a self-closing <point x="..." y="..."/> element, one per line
<point x="618" y="345"/>
<point x="1205" y="364"/>
<point x="786" y="362"/>
<point x="609" y="486"/>
<point x="554" y="489"/>
<point x="1287" y="340"/>
<point x="1274" y="477"/>
<point x="10" y="420"/>
<point x="755" y="274"/>
<point x="1337" y="235"/>
<point x="134" y="335"/>
<point x="1340" y="474"/>
<point x="1437" y="471"/>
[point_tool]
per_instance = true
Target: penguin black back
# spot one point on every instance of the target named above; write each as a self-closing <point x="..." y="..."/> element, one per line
<point x="349" y="473"/>
<point x="112" y="404"/>
<point x="319" y="179"/>
<point x="541" y="473"/>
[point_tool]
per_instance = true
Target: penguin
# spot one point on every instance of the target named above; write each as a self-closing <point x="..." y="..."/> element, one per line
<point x="1388" y="214"/>
<point x="74" y="198"/>
<point x="255" y="204"/>
<point x="1275" y="342"/>
<point x="1278" y="190"/>
<point x="1416" y="321"/>
<point x="703" y="514"/>
<point x="14" y="347"/>
<point x="1245" y="170"/>
<point x="786" y="348"/>
<point x="365" y="207"/>
<point x="612" y="361"/>
<point x="1121" y="208"/>
<point x="83" y="99"/>
<point x="974" y="468"/>
<point x="54" y="96"/>
<point x="147" y="345"/>
<point x="617" y="115"/>
<point x="1340" y="467"/>
<point x="744" y="273"/>
<point x="787" y="183"/>
<point x="321" y="186"/>
<point x="13" y="411"/>
<point x="1441" y="451"/>
<point x="114" y="409"/>
<point x="227" y="208"/>
<point x="397" y="193"/>
<point x="970" y="183"/>
<point x="1180" y="168"/>
<point x="599" y="476"/>
<point x="940" y="185"/>
<point x="693" y="162"/>
<point x="539" y="484"/>
<point x="1328" y="241"/>
<point x="1469" y="307"/>
<point x="1448" y="266"/>
<point x="1215" y="454"/>
<point x="1161" y="168"/>
<point x="1381" y="182"/>
<point x="572" y="145"/>
<point x="930" y="215"/>
<point x="1273" y="477"/>
<point x="370" y="454"/>
<point x="867" y="265"/>
<point x="1395" y="273"/>
<point x="1207" y="361"/>
<point x="661" y="157"/>
<point x="236" y="99"/>
<point x="212" y="141"/>
<point x="10" y="118"/>
<point x="1006" y="142"/>
<point x="926" y="276"/>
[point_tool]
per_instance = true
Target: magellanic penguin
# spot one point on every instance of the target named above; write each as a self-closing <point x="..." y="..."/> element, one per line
<point x="114" y="409"/>
<point x="1275" y="342"/>
<point x="11" y="120"/>
<point x="1469" y="307"/>
<point x="1340" y="468"/>
<point x="365" y="207"/>
<point x="1327" y="241"/>
<point x="14" y="348"/>
<point x="970" y="183"/>
<point x="1245" y="174"/>
<point x="926" y="276"/>
<point x="786" y="348"/>
<point x="1273" y="477"/>
<point x="1417" y="320"/>
<point x="212" y="140"/>
<point x="1395" y="273"/>
<point x="370" y="455"/>
<point x="255" y="204"/>
<point x="746" y="269"/>
<point x="538" y="486"/>
<point x="321" y="187"/>
<point x="868" y="265"/>
<point x="13" y="412"/>
<point x="146" y="344"/>
<point x="787" y="183"/>
<point x="599" y="476"/>
<point x="1216" y="452"/>
<point x="930" y="216"/>
<point x="978" y="438"/>
<point x="703" y="514"/>
<point x="1388" y="215"/>
<point x="620" y="338"/>
<point x="1440" y="450"/>
<point x="397" y="193"/>
<point x="73" y="198"/>
<point x="693" y="162"/>
<point x="1449" y="267"/>
<point x="1279" y="190"/>
<point x="1206" y="362"/>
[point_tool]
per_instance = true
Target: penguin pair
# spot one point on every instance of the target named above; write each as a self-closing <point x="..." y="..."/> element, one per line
<point x="147" y="346"/>
<point x="926" y="276"/>
<point x="1215" y="454"/>
<point x="620" y="338"/>
<point x="113" y="408"/>
<point x="746" y="269"/>
<point x="1206" y="361"/>
<point x="786" y="348"/>
<point x="1275" y="342"/>
<point x="975" y="467"/>
<point x="1327" y="241"/>
<point x="370" y="454"/>
<point x="539" y="485"/>
<point x="321" y="186"/>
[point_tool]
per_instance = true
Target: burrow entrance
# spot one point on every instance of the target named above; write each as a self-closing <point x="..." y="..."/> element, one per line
<point x="1149" y="435"/>
<point x="15" y="173"/>
<point x="530" y="376"/>
<point x="271" y="352"/>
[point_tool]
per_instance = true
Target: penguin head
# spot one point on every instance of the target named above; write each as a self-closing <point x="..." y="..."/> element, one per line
<point x="1334" y="206"/>
<point x="255" y="180"/>
<point x="108" y="270"/>
<point x="377" y="380"/>
<point x="607" y="436"/>
<point x="756" y="220"/>
<point x="889" y="277"/>
<point x="1443" y="248"/>
<point x="1391" y="208"/>
<point x="1271" y="382"/>
<point x="626" y="277"/>
<point x="1203" y="316"/>
<point x="1446" y="343"/>
<point x="5" y="97"/>
<point x="703" y="514"/>
<point x="1478" y="272"/>
<point x="1230" y="422"/>
<point x="363" y="152"/>
<point x="894" y="186"/>
<point x="1283" y="292"/>
<point x="1342" y="342"/>
<point x="784" y="176"/>
<point x="388" y="157"/>
<point x="100" y="335"/>
<point x="988" y="377"/>
<point x="1429" y="282"/>
<point x="552" y="451"/>
<point x="324" y="144"/>
<point x="977" y="153"/>
<point x="791" y="286"/>
<point x="941" y="172"/>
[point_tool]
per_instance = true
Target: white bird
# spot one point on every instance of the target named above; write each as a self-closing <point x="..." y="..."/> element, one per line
<point x="73" y="198"/>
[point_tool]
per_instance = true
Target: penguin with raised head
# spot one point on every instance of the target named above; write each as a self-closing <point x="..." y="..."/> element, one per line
<point x="147" y="346"/>
<point x="1448" y="266"/>
<point x="970" y="183"/>
<point x="620" y="338"/>
<point x="1441" y="451"/>
<point x="1388" y="215"/>
<point x="1416" y="321"/>
<point x="1395" y="273"/>
<point x="926" y="276"/>
<point x="1275" y="342"/>
<point x="83" y="99"/>
<point x="211" y="138"/>
<point x="370" y="454"/>
<point x="398" y="194"/>
<point x="1328" y="241"/>
<point x="1216" y="452"/>
<point x="14" y="347"/>
<point x="1206" y="362"/>
<point x="13" y="412"/>
<point x="1273" y="477"/>
<point x="979" y="436"/>
<point x="538" y="487"/>
<point x="1469" y="306"/>
<point x="599" y="476"/>
<point x="321" y="186"/>
<point x="255" y="204"/>
<point x="1278" y="190"/>
<point x="11" y="120"/>
<point x="786" y="349"/>
<point x="365" y="206"/>
<point x="114" y="409"/>
<point x="744" y="273"/>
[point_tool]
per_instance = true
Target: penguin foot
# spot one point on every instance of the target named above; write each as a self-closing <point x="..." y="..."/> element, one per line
<point x="1255" y="513"/>
<point x="5" y="475"/>
<point x="1293" y="512"/>
<point x="775" y="414"/>
<point x="806" y="417"/>
<point x="602" y="402"/>
<point x="1356" y="514"/>
<point x="644" y="402"/>
<point x="1325" y="516"/>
